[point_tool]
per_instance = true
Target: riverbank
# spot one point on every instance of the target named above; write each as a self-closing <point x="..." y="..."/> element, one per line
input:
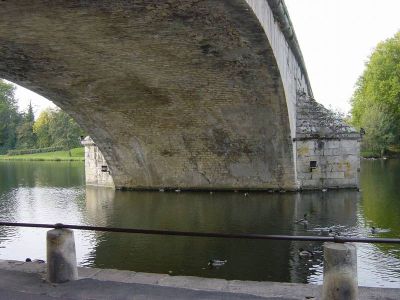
<point x="76" y="154"/>
<point x="21" y="279"/>
<point x="393" y="152"/>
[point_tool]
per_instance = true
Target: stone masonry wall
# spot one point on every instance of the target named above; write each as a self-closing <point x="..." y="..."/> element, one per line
<point x="293" y="75"/>
<point x="327" y="149"/>
<point x="97" y="172"/>
<point x="194" y="94"/>
<point x="336" y="164"/>
<point x="176" y="94"/>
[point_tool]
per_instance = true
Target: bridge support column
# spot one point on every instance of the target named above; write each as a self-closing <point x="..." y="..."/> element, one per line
<point x="340" y="272"/>
<point x="61" y="256"/>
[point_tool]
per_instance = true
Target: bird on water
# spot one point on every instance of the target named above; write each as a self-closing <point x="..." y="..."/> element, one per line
<point x="303" y="221"/>
<point x="305" y="253"/>
<point x="216" y="263"/>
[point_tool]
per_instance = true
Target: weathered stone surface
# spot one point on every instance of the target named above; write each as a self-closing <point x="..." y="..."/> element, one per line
<point x="97" y="172"/>
<point x="196" y="94"/>
<point x="13" y="273"/>
<point x="340" y="272"/>
<point x="176" y="93"/>
<point x="323" y="139"/>
<point x="61" y="256"/>
<point x="314" y="120"/>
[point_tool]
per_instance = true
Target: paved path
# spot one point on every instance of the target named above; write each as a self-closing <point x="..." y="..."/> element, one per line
<point x="26" y="281"/>
<point x="21" y="286"/>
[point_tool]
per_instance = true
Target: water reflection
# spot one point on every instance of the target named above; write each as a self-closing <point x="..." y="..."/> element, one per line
<point x="198" y="212"/>
<point x="381" y="190"/>
<point x="40" y="173"/>
<point x="37" y="192"/>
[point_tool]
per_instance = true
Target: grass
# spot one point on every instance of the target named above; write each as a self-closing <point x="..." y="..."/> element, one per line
<point x="370" y="154"/>
<point x="77" y="154"/>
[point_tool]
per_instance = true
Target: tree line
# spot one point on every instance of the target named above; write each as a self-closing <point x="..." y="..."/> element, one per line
<point x="20" y="130"/>
<point x="376" y="100"/>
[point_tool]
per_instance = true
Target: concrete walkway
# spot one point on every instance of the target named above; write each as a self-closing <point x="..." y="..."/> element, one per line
<point x="20" y="280"/>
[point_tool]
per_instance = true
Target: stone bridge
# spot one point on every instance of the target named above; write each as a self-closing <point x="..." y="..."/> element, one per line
<point x="189" y="94"/>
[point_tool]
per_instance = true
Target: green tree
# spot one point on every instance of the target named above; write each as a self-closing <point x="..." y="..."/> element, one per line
<point x="9" y="117"/>
<point x="380" y="126"/>
<point x="376" y="100"/>
<point x="41" y="128"/>
<point x="64" y="131"/>
<point x="26" y="138"/>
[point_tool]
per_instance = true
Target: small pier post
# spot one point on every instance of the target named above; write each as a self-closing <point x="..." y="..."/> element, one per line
<point x="340" y="272"/>
<point x="61" y="255"/>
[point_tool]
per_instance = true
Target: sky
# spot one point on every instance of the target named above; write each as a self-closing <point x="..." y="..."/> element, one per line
<point x="336" y="38"/>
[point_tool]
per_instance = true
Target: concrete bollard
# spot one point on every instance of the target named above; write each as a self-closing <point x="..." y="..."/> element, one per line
<point x="61" y="256"/>
<point x="340" y="272"/>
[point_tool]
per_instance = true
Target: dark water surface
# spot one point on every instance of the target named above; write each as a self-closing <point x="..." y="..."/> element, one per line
<point x="51" y="192"/>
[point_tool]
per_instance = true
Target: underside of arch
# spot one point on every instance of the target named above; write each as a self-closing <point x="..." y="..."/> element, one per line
<point x="175" y="93"/>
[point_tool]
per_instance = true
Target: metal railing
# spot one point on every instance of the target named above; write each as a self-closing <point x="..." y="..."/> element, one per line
<point x="335" y="239"/>
<point x="340" y="260"/>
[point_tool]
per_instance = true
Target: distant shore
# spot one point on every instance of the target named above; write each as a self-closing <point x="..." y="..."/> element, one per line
<point x="76" y="154"/>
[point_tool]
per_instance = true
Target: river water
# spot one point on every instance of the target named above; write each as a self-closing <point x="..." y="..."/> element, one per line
<point x="52" y="192"/>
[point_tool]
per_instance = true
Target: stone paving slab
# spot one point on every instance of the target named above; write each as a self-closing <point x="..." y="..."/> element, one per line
<point x="97" y="283"/>
<point x="23" y="286"/>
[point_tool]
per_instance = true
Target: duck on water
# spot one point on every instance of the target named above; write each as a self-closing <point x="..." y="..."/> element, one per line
<point x="302" y="221"/>
<point x="216" y="263"/>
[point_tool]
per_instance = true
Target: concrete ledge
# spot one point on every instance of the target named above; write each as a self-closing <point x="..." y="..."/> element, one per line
<point x="266" y="290"/>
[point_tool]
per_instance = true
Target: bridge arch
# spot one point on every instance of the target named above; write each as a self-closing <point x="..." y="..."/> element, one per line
<point x="184" y="94"/>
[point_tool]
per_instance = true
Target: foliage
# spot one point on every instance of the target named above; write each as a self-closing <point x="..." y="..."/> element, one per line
<point x="380" y="126"/>
<point x="53" y="128"/>
<point x="26" y="138"/>
<point x="9" y="117"/>
<point x="64" y="131"/>
<point x="42" y="129"/>
<point x="376" y="100"/>
<point x="370" y="154"/>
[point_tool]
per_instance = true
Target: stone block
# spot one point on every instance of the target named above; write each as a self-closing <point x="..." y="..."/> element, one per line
<point x="350" y="150"/>
<point x="351" y="144"/>
<point x="342" y="183"/>
<point x="149" y="278"/>
<point x="304" y="150"/>
<point x="335" y="175"/>
<point x="115" y="275"/>
<point x="329" y="144"/>
<point x="61" y="256"/>
<point x="196" y="283"/>
<point x="84" y="272"/>
<point x="303" y="176"/>
<point x="312" y="183"/>
<point x="340" y="272"/>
